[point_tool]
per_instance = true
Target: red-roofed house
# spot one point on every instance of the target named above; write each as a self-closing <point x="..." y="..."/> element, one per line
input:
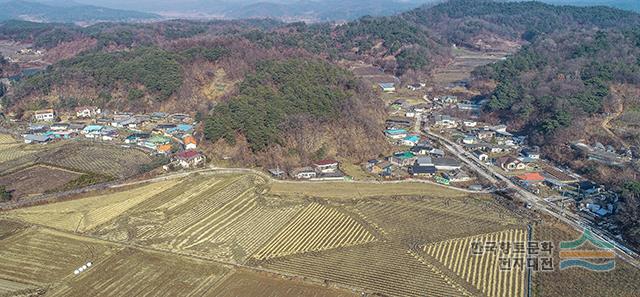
<point x="531" y="177"/>
<point x="189" y="158"/>
<point x="326" y="166"/>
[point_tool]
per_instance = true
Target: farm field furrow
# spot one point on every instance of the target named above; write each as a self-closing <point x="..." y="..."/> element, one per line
<point x="377" y="267"/>
<point x="243" y="283"/>
<point x="87" y="213"/>
<point x="109" y="160"/>
<point x="132" y="272"/>
<point x="6" y="139"/>
<point x="42" y="256"/>
<point x="341" y="190"/>
<point x="12" y="288"/>
<point x="482" y="271"/>
<point x="411" y="223"/>
<point x="38" y="179"/>
<point x="316" y="228"/>
<point x="10" y="152"/>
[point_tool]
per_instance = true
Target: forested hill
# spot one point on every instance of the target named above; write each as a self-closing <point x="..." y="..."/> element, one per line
<point x="465" y="21"/>
<point x="294" y="111"/>
<point x="70" y="13"/>
<point x="187" y="65"/>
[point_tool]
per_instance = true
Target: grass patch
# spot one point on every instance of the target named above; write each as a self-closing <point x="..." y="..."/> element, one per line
<point x="345" y="190"/>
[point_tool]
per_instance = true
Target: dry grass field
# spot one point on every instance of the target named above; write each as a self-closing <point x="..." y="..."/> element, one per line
<point x="10" y="152"/>
<point x="316" y="228"/>
<point x="37" y="179"/>
<point x="244" y="283"/>
<point x="185" y="237"/>
<point x="133" y="272"/>
<point x="342" y="190"/>
<point x="464" y="62"/>
<point x="382" y="268"/>
<point x="85" y="214"/>
<point x="483" y="272"/>
<point x="434" y="219"/>
<point x="623" y="281"/>
<point x="7" y="139"/>
<point x="42" y="257"/>
<point x="110" y="160"/>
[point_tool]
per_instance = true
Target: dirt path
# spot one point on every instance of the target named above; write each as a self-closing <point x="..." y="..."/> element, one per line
<point x="606" y="123"/>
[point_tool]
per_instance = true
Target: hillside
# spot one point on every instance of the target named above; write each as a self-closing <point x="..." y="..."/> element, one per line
<point x="299" y="110"/>
<point x="571" y="52"/>
<point x="73" y="13"/>
<point x="320" y="11"/>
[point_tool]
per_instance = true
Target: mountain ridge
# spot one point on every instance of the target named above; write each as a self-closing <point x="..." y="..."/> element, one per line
<point x="70" y="13"/>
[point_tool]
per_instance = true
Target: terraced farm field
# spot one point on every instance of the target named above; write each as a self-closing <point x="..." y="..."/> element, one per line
<point x="434" y="219"/>
<point x="136" y="273"/>
<point x="211" y="234"/>
<point x="110" y="160"/>
<point x="482" y="271"/>
<point x="218" y="217"/>
<point x="37" y="179"/>
<point x="12" y="288"/>
<point x="342" y="190"/>
<point x="243" y="283"/>
<point x="10" y="152"/>
<point x="41" y="257"/>
<point x="85" y="214"/>
<point x="379" y="268"/>
<point x="316" y="228"/>
<point x="7" y="139"/>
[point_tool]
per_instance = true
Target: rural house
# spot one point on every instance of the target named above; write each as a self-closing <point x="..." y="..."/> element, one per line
<point x="531" y="153"/>
<point x="396" y="133"/>
<point x="190" y="142"/>
<point x="303" y="173"/>
<point x="34" y="138"/>
<point x="190" y="159"/>
<point x="59" y="126"/>
<point x="277" y="173"/>
<point x="510" y="163"/>
<point x="446" y="164"/>
<point x="423" y="166"/>
<point x="410" y="140"/>
<point x="46" y="115"/>
<point x="387" y="87"/>
<point x="326" y="166"/>
<point x="87" y="111"/>
<point x="92" y="131"/>
<point x="403" y="158"/>
<point x="445" y="121"/>
<point x="480" y="155"/>
<point x="485" y="134"/>
<point x="382" y="168"/>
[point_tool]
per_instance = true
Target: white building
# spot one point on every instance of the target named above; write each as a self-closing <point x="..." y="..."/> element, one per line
<point x="44" y="115"/>
<point x="87" y="111"/>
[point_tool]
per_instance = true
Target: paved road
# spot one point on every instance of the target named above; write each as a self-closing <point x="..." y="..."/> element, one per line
<point x="539" y="203"/>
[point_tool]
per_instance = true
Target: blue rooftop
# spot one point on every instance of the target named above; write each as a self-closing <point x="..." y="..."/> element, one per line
<point x="395" y="131"/>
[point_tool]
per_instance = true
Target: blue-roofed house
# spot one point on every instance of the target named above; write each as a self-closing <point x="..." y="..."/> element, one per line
<point x="180" y="128"/>
<point x="403" y="158"/>
<point x="92" y="131"/>
<point x="36" y="138"/>
<point x="387" y="87"/>
<point x="396" y="133"/>
<point x="411" y="140"/>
